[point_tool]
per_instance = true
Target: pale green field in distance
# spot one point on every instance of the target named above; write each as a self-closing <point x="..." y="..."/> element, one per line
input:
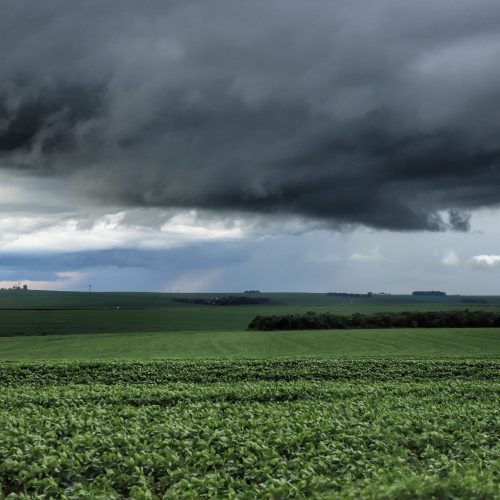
<point x="324" y="343"/>
<point x="83" y="300"/>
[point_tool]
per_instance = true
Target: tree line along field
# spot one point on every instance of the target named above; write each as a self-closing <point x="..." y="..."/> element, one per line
<point x="464" y="318"/>
<point x="274" y="428"/>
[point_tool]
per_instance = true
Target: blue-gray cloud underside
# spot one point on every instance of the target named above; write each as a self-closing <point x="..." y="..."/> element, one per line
<point x="318" y="261"/>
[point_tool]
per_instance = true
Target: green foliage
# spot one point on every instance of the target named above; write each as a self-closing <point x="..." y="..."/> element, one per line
<point x="406" y="319"/>
<point x="245" y="429"/>
<point x="42" y="373"/>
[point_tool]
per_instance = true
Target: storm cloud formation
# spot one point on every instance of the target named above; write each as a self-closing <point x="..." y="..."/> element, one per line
<point x="383" y="114"/>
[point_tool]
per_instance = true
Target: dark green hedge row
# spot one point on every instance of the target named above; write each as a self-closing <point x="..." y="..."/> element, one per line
<point x="437" y="319"/>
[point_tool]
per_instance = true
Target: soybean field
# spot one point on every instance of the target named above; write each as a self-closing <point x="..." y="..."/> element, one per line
<point x="250" y="429"/>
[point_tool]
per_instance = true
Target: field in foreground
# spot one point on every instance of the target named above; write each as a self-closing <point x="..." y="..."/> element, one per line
<point x="251" y="428"/>
<point x="394" y="413"/>
<point x="324" y="343"/>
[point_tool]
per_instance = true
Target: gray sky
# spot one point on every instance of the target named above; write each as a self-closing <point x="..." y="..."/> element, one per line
<point x="193" y="145"/>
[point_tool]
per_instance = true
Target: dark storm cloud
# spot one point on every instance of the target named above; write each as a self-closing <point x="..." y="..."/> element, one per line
<point x="44" y="118"/>
<point x="347" y="112"/>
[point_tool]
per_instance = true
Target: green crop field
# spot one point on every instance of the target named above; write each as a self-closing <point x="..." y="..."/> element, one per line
<point x="324" y="343"/>
<point x="247" y="429"/>
<point x="138" y="396"/>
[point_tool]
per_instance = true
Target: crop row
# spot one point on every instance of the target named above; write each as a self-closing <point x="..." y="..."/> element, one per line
<point x="225" y="370"/>
<point x="427" y="439"/>
<point x="175" y="393"/>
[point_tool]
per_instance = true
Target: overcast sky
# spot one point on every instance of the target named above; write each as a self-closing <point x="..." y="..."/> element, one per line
<point x="223" y="145"/>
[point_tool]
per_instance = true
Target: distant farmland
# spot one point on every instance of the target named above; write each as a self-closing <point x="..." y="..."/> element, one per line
<point x="33" y="299"/>
<point x="49" y="313"/>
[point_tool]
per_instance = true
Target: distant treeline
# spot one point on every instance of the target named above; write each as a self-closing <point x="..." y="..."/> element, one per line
<point x="232" y="300"/>
<point x="323" y="321"/>
<point x="431" y="293"/>
<point x="351" y="295"/>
